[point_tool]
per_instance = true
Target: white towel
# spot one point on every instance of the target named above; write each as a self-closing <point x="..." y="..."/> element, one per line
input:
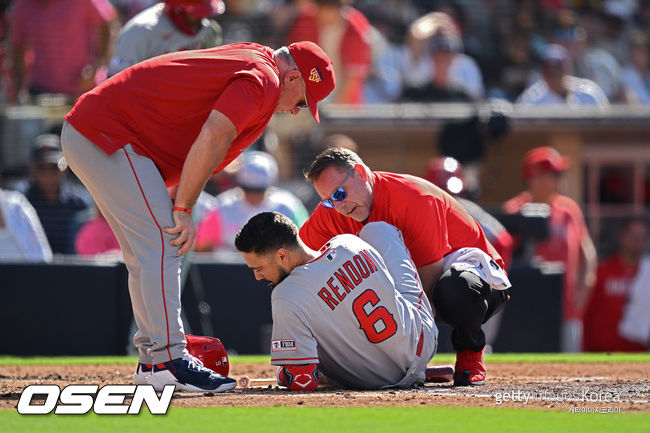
<point x="635" y="324"/>
<point x="478" y="262"/>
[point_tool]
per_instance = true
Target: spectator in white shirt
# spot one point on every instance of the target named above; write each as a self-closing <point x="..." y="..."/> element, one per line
<point x="434" y="67"/>
<point x="557" y="86"/>
<point x="21" y="234"/>
<point x="255" y="193"/>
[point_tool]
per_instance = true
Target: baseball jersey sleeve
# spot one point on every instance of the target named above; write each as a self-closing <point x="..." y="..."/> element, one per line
<point x="292" y="341"/>
<point x="240" y="101"/>
<point x="131" y="48"/>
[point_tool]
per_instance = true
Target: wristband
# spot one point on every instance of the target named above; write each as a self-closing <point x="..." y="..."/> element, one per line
<point x="183" y="209"/>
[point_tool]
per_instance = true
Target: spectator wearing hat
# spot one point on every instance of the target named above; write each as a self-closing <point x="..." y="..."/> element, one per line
<point x="434" y="66"/>
<point x="171" y="25"/>
<point x="21" y="234"/>
<point x="568" y="241"/>
<point x="255" y="192"/>
<point x="556" y="85"/>
<point x="56" y="200"/>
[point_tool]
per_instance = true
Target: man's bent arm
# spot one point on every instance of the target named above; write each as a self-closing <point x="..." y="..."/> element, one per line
<point x="205" y="155"/>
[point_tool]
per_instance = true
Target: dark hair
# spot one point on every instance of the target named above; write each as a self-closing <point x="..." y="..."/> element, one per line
<point x="338" y="157"/>
<point x="266" y="232"/>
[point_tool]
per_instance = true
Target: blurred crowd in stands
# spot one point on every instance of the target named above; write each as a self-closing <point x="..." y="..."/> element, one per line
<point x="581" y="51"/>
<point x="527" y="52"/>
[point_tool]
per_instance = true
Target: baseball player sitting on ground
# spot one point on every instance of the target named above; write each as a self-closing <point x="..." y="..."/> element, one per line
<point x="354" y="311"/>
<point x="460" y="270"/>
<point x="172" y="120"/>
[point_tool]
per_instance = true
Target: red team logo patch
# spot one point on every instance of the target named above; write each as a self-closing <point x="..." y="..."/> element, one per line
<point x="283" y="345"/>
<point x="315" y="75"/>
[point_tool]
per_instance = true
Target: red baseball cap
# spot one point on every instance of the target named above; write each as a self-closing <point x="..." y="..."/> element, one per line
<point x="199" y="8"/>
<point x="317" y="72"/>
<point x="546" y="158"/>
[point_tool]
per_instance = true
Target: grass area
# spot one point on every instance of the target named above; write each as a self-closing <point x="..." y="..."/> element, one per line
<point x="443" y="358"/>
<point x="567" y="357"/>
<point x="340" y="420"/>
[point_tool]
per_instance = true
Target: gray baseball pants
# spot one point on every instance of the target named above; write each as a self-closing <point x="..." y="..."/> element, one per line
<point x="132" y="196"/>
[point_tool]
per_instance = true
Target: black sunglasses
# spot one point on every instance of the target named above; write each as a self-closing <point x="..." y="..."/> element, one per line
<point x="337" y="195"/>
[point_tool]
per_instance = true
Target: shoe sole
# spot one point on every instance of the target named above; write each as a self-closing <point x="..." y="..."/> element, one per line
<point x="140" y="379"/>
<point x="481" y="383"/>
<point x="464" y="380"/>
<point x="191" y="388"/>
<point x="159" y="383"/>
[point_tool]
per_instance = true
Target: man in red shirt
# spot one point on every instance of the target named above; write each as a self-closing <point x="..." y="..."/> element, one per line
<point x="460" y="270"/>
<point x="568" y="241"/>
<point x="344" y="33"/>
<point x="71" y="42"/>
<point x="611" y="292"/>
<point x="174" y="120"/>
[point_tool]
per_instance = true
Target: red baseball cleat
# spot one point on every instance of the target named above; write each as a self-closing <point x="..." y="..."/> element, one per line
<point x="469" y="368"/>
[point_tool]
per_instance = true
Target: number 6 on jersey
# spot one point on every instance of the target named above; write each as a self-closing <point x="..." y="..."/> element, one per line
<point x="367" y="321"/>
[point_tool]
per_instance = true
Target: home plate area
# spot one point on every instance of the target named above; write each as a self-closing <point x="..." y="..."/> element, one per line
<point x="572" y="387"/>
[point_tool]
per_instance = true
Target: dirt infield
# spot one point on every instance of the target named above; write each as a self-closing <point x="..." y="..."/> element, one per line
<point x="593" y="387"/>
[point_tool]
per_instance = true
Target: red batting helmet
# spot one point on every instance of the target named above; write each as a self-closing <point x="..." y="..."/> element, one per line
<point x="210" y="352"/>
<point x="198" y="8"/>
<point x="446" y="173"/>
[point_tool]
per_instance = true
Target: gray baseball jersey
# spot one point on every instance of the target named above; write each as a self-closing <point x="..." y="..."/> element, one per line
<point x="151" y="33"/>
<point x="358" y="310"/>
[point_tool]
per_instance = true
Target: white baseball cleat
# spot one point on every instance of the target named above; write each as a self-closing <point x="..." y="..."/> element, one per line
<point x="141" y="373"/>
